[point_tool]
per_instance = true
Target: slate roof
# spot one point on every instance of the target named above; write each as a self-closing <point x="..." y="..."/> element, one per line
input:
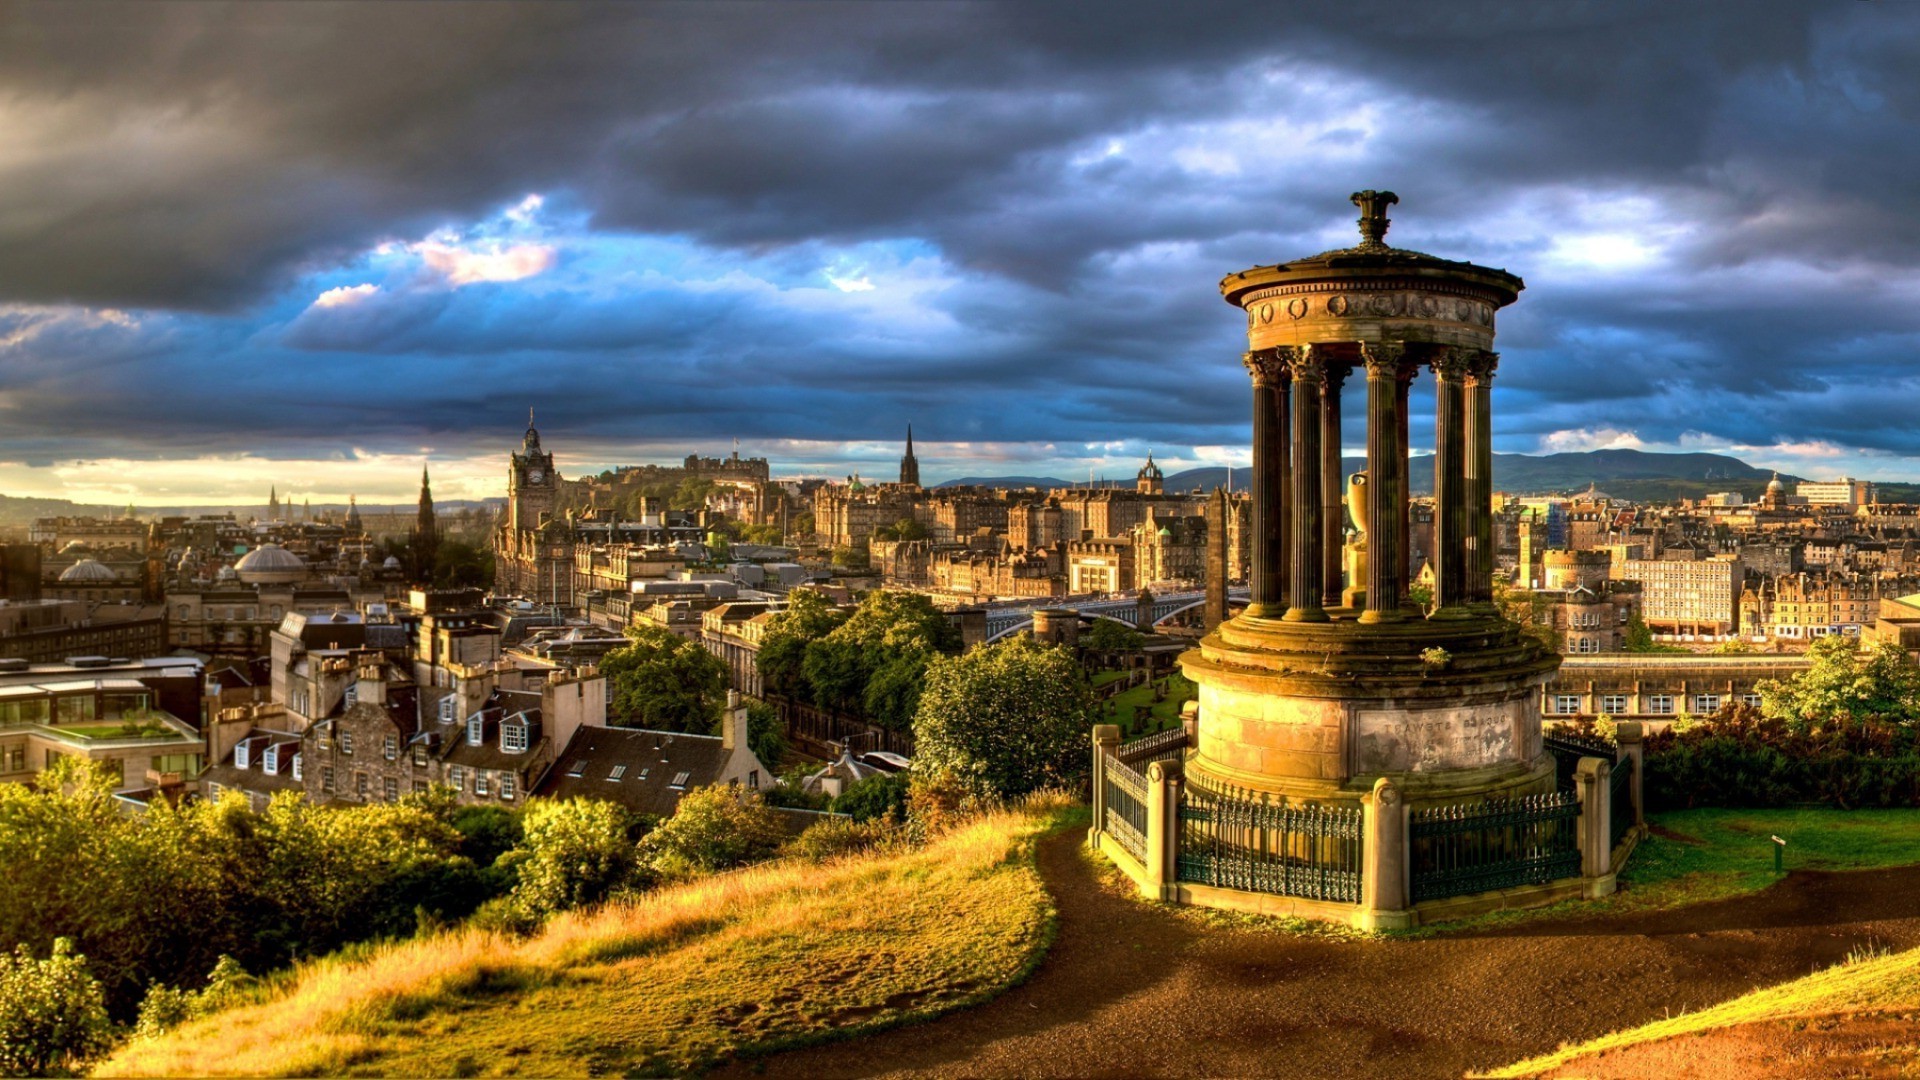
<point x="646" y="764"/>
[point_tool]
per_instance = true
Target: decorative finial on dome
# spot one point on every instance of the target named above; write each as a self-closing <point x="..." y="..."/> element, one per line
<point x="1373" y="216"/>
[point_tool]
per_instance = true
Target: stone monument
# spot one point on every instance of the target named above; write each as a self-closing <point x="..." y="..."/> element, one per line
<point x="1324" y="686"/>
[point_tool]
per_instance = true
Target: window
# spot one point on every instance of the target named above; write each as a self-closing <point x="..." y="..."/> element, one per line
<point x="390" y="748"/>
<point x="479" y="782"/>
<point x="457" y="776"/>
<point x="392" y="788"/>
<point x="447" y="706"/>
<point x="346" y="742"/>
<point x="242" y="755"/>
<point x="680" y="779"/>
<point x="419" y="755"/>
<point x="506" y="785"/>
<point x="618" y="772"/>
<point x="513" y="738"/>
<point x="1613" y="704"/>
<point x="1563" y="705"/>
<point x="360" y="786"/>
<point x="1586" y="645"/>
<point x="17" y="758"/>
<point x="1706" y="703"/>
<point x="296" y="766"/>
<point x="476" y="730"/>
<point x="1750" y="699"/>
<point x="270" y="761"/>
<point x="753" y="778"/>
<point x="578" y="770"/>
<point x="419" y="786"/>
<point x="352" y="695"/>
<point x="1660" y="704"/>
<point x="326" y="779"/>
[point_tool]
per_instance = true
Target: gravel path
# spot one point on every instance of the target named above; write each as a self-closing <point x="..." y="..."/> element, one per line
<point x="1134" y="989"/>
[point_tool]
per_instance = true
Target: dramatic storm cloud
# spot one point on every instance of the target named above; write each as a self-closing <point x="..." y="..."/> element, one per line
<point x="309" y="242"/>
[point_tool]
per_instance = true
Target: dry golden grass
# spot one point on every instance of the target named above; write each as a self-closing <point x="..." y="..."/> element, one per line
<point x="766" y="957"/>
<point x="1870" y="984"/>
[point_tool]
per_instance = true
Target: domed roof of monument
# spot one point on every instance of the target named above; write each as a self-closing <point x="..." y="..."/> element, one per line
<point x="1775" y="487"/>
<point x="87" y="571"/>
<point x="1370" y="256"/>
<point x="270" y="563"/>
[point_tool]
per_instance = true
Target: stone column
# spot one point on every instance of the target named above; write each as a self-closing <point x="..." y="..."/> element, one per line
<point x="1333" y="485"/>
<point x="1215" y="611"/>
<point x="1408" y="371"/>
<point x="1166" y="780"/>
<point x="1386" y="497"/>
<point x="1479" y="592"/>
<point x="1450" y="483"/>
<point x="1383" y="880"/>
<point x="1270" y="479"/>
<point x="1592" y="781"/>
<point x="1631" y="735"/>
<point x="1106" y="740"/>
<point x="1306" y="568"/>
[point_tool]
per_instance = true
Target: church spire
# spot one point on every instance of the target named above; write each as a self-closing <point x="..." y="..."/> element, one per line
<point x="910" y="465"/>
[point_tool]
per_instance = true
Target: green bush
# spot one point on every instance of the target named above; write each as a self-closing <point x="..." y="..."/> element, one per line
<point x="574" y="852"/>
<point x="1741" y="758"/>
<point x="1006" y="719"/>
<point x="715" y="828"/>
<point x="836" y="836"/>
<point x="874" y="797"/>
<point x="53" y="1013"/>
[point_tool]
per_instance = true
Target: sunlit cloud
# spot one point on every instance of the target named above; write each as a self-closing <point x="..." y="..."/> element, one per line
<point x="343" y="295"/>
<point x="496" y="262"/>
<point x="1582" y="439"/>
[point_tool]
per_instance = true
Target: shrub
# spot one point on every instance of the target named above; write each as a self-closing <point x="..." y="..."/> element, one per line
<point x="838" y="836"/>
<point x="715" y="828"/>
<point x="53" y="1013"/>
<point x="874" y="797"/>
<point x="1741" y="758"/>
<point x="1006" y="719"/>
<point x="574" y="852"/>
<point x="165" y="1008"/>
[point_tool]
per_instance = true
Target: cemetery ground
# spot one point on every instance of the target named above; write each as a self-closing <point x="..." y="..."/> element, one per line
<point x="1136" y="988"/>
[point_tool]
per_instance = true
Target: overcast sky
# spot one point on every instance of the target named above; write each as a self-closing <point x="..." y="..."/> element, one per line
<point x="310" y="245"/>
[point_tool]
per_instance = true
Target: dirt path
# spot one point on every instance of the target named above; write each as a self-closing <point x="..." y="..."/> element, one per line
<point x="1134" y="989"/>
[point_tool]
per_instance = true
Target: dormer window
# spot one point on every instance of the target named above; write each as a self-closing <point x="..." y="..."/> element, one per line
<point x="449" y="706"/>
<point x="513" y="737"/>
<point x="680" y="779"/>
<point x="578" y="770"/>
<point x="242" y="755"/>
<point x="270" y="761"/>
<point x="296" y="766"/>
<point x="353" y="695"/>
<point x="324" y="738"/>
<point x="476" y="730"/>
<point x="618" y="772"/>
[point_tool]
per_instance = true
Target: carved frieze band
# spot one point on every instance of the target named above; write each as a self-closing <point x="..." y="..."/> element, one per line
<point x="1379" y="305"/>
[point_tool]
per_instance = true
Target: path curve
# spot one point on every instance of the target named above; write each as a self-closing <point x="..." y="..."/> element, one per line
<point x="1136" y="989"/>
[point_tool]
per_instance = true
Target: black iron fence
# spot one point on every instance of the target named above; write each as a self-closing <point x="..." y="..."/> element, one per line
<point x="1568" y="748"/>
<point x="1125" y="792"/>
<point x="1620" y="809"/>
<point x="1238" y="840"/>
<point x="1497" y="844"/>
<point x="1163" y="746"/>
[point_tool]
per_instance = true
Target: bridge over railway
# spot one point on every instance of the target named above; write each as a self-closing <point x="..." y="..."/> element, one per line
<point x="1002" y="622"/>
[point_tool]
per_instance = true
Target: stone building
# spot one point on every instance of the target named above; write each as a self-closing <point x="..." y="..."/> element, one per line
<point x="1689" y="597"/>
<point x="533" y="553"/>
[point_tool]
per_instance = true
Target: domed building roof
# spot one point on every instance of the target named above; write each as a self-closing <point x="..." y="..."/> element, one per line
<point x="1775" y="487"/>
<point x="392" y="563"/>
<point x="88" y="572"/>
<point x="270" y="564"/>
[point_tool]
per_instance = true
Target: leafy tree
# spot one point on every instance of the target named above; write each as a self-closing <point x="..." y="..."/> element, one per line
<point x="461" y="565"/>
<point x="165" y="1008"/>
<point x="1528" y="610"/>
<point x="1848" y="683"/>
<point x="691" y="494"/>
<point x="574" y="852"/>
<point x="853" y="558"/>
<point x="762" y="534"/>
<point x="664" y="682"/>
<point x="766" y="736"/>
<point x="905" y="529"/>
<point x="874" y="797"/>
<point x="1639" y="638"/>
<point x="874" y="663"/>
<point x="1005" y="720"/>
<point x="53" y="1014"/>
<point x="802" y="524"/>
<point x="1106" y="635"/>
<point x="714" y="828"/>
<point x="783" y="648"/>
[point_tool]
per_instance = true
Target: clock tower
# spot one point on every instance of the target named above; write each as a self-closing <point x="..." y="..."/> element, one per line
<point x="532" y="488"/>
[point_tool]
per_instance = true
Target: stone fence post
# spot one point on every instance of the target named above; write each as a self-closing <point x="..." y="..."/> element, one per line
<point x="1190" y="721"/>
<point x="1592" y="781"/>
<point x="1106" y="740"/>
<point x="1166" y="782"/>
<point x="1383" y="867"/>
<point x="1632" y="739"/>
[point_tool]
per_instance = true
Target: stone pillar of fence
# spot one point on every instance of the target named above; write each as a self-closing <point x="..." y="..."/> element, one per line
<point x="1592" y="782"/>
<point x="1383" y="868"/>
<point x="1165" y="783"/>
<point x="1106" y="740"/>
<point x="1190" y="722"/>
<point x="1632" y="739"/>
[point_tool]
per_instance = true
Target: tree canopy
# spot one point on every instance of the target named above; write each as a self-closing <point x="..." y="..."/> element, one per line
<point x="1848" y="683"/>
<point x="1005" y="719"/>
<point x="870" y="663"/>
<point x="664" y="682"/>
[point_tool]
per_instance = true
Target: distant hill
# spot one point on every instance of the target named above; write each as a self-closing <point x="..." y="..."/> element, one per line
<point x="1628" y="474"/>
<point x="1008" y="482"/>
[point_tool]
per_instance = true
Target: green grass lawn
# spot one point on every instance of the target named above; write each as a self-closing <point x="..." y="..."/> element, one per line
<point x="1166" y="713"/>
<point x="1102" y="678"/>
<point x="117" y="729"/>
<point x="1715" y="854"/>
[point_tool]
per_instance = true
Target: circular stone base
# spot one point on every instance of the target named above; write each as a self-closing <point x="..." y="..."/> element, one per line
<point x="1444" y="707"/>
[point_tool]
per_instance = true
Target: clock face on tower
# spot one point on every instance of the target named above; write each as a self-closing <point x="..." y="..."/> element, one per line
<point x="534" y="476"/>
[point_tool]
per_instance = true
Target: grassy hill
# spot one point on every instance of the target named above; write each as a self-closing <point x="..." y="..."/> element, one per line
<point x="1856" y="992"/>
<point x="767" y="957"/>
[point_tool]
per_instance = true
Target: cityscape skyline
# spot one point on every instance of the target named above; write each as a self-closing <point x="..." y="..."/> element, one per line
<point x="663" y="247"/>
